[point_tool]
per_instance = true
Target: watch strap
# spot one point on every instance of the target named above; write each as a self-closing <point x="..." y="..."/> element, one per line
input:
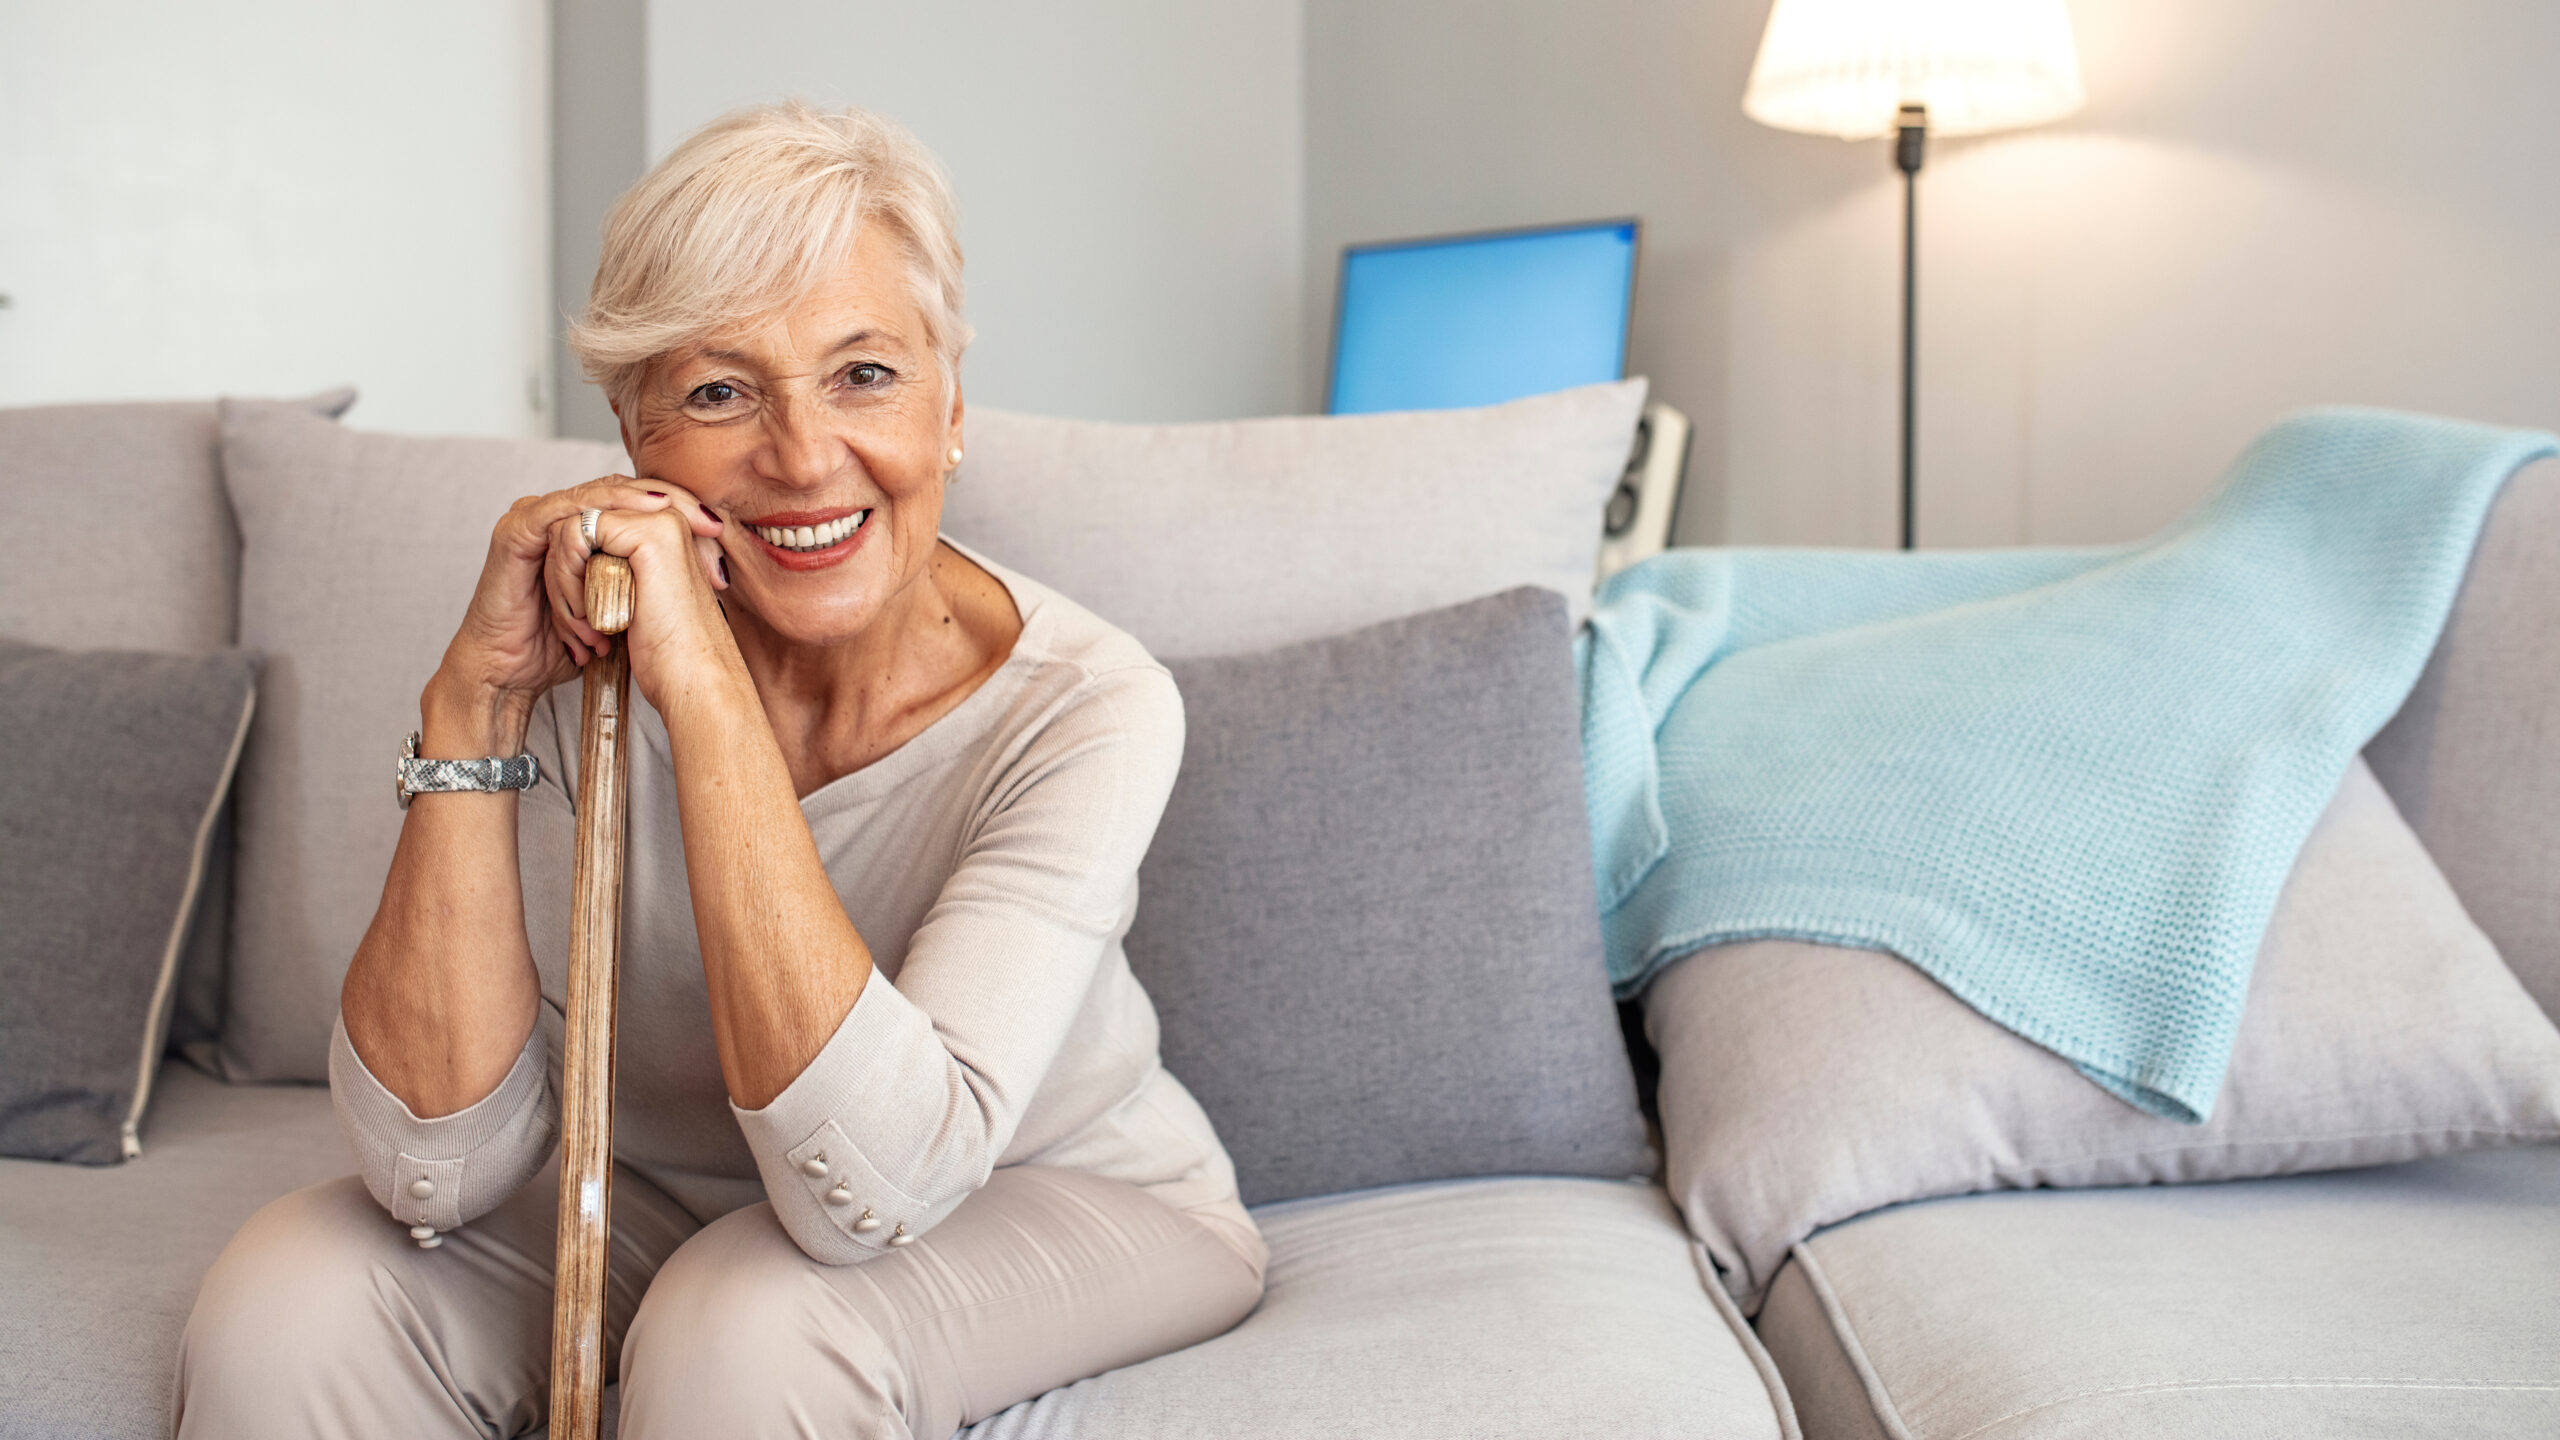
<point x="491" y="773"/>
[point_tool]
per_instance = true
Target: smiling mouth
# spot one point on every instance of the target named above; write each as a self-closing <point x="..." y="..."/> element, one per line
<point x="807" y="539"/>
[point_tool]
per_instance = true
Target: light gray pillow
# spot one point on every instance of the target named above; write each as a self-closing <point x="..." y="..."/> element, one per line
<point x="1210" y="539"/>
<point x="1806" y="1084"/>
<point x="113" y="765"/>
<point x="359" y="552"/>
<point x="2473" y="757"/>
<point x="1368" y="921"/>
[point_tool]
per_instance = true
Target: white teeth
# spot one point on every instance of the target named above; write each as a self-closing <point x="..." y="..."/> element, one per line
<point x="813" y="537"/>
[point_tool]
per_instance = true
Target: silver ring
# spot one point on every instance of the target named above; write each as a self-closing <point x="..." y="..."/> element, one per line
<point x="587" y="528"/>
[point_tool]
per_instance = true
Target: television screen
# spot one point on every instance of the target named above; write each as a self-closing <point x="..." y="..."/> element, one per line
<point x="1479" y="319"/>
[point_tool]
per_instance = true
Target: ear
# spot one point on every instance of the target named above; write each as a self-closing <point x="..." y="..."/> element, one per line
<point x="957" y="410"/>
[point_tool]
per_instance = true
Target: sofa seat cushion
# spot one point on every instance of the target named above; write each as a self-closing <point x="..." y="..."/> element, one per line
<point x="99" y="1267"/>
<point x="2416" y="1299"/>
<point x="1473" y="1308"/>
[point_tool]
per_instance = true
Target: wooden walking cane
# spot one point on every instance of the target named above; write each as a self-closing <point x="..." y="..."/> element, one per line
<point x="586" y="1068"/>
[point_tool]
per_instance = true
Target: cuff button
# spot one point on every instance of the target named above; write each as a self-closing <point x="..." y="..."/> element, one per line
<point x="868" y="1223"/>
<point x="815" y="1167"/>
<point x="426" y="1236"/>
<point x="422" y="1189"/>
<point x="840" y="1196"/>
<point x="899" y="1239"/>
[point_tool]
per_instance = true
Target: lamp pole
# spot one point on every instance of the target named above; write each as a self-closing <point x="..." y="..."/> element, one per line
<point x="1910" y="144"/>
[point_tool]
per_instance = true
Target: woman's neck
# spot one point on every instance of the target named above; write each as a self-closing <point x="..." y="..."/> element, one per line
<point x="837" y="708"/>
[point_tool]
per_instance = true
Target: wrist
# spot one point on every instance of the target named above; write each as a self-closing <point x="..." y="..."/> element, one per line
<point x="715" y="700"/>
<point x="459" y="720"/>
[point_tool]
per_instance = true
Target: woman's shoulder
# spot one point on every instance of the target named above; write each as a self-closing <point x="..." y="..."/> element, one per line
<point x="1081" y="679"/>
<point x="1061" y="635"/>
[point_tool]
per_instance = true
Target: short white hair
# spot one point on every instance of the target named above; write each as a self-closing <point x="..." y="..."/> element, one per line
<point x="749" y="212"/>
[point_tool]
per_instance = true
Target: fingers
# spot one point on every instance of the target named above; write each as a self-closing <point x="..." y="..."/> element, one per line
<point x="528" y="525"/>
<point x="564" y="587"/>
<point x="628" y="533"/>
<point x="621" y="492"/>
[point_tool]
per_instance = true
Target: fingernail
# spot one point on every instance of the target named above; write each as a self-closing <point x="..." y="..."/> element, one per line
<point x="661" y="494"/>
<point x="722" y="562"/>
<point x="714" y="514"/>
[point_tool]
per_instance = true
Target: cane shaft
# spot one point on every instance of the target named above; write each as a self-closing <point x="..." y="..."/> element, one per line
<point x="586" y="1084"/>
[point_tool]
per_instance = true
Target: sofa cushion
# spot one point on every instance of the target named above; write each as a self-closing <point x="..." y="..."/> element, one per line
<point x="361" y="551"/>
<point x="1477" y="1309"/>
<point x="1203" y="539"/>
<point x="1367" y="919"/>
<point x="67" y="469"/>
<point x="113" y="767"/>
<point x="2474" y="755"/>
<point x="2420" y="1299"/>
<point x="98" y="1268"/>
<point x="1804" y="1084"/>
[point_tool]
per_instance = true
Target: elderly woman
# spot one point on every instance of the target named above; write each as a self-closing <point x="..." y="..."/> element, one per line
<point x="897" y="1147"/>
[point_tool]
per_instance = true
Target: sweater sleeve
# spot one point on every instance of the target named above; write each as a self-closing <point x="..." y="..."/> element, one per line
<point x="451" y="1170"/>
<point x="446" y="1172"/>
<point x="906" y="1110"/>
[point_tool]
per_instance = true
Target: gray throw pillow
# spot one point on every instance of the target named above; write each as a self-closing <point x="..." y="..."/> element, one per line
<point x="113" y="766"/>
<point x="1806" y="1084"/>
<point x="1368" y="921"/>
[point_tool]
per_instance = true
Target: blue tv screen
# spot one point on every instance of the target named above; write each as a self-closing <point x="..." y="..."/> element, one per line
<point x="1480" y="319"/>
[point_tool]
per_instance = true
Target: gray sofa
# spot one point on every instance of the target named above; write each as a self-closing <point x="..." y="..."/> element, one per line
<point x="1463" y="1301"/>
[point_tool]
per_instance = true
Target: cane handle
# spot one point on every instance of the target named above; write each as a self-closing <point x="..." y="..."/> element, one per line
<point x="608" y="594"/>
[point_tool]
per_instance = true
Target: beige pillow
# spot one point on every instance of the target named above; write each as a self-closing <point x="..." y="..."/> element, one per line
<point x="1214" y="539"/>
<point x="358" y="553"/>
<point x="1806" y="1084"/>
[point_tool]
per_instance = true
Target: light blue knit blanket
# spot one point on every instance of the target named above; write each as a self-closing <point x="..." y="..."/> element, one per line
<point x="2068" y="784"/>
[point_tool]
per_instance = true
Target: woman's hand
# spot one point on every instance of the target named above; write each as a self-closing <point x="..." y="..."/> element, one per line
<point x="677" y="629"/>
<point x="525" y="630"/>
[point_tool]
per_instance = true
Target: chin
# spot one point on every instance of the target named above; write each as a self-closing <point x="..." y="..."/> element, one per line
<point x="816" y="608"/>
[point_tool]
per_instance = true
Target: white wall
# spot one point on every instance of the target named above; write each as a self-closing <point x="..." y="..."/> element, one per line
<point x="1129" y="174"/>
<point x="276" y="196"/>
<point x="2264" y="206"/>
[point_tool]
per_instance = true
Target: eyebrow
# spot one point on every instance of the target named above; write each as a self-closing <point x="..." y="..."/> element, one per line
<point x="858" y="337"/>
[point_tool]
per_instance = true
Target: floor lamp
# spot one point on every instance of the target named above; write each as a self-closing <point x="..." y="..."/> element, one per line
<point x="1859" y="69"/>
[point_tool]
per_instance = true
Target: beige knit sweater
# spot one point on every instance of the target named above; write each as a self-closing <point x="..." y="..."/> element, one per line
<point x="990" y="864"/>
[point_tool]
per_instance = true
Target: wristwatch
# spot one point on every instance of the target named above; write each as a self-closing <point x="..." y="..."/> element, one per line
<point x="430" y="777"/>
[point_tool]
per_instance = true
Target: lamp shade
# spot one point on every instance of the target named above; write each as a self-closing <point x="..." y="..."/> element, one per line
<point x="1843" y="67"/>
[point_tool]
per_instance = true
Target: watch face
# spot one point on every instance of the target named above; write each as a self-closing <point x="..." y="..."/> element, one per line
<point x="400" y="773"/>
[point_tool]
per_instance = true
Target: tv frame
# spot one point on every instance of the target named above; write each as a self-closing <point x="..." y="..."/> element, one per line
<point x="1342" y="276"/>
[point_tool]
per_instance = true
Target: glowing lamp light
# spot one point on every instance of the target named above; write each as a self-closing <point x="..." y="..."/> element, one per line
<point x="1848" y="67"/>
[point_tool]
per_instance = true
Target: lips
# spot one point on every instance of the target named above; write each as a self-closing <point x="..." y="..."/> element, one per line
<point x="811" y="540"/>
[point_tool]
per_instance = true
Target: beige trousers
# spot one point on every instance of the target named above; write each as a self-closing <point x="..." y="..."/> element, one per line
<point x="322" y="1318"/>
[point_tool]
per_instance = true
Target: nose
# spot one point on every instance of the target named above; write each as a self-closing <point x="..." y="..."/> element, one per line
<point x="805" y="451"/>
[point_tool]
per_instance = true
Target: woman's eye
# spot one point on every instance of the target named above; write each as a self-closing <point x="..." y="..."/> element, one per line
<point x="866" y="375"/>
<point x="715" y="394"/>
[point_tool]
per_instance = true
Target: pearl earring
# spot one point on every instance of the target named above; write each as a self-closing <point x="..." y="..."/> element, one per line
<point x="955" y="454"/>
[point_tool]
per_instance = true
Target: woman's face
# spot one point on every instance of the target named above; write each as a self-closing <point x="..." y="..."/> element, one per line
<point x="821" y="435"/>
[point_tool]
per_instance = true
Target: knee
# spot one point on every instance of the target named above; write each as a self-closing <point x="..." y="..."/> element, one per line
<point x="298" y="1288"/>
<point x="737" y="1336"/>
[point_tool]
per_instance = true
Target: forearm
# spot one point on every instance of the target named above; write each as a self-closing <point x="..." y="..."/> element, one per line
<point x="782" y="963"/>
<point x="443" y="990"/>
